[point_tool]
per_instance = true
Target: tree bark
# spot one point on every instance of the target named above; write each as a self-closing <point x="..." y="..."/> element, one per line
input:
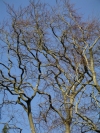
<point x="67" y="128"/>
<point x="30" y="117"/>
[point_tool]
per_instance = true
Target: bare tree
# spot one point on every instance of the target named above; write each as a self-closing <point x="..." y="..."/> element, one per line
<point x="52" y="55"/>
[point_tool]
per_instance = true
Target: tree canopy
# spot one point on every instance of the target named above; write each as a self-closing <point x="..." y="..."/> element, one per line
<point x="50" y="70"/>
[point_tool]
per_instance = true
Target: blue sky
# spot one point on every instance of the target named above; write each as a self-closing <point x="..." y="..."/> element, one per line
<point x="86" y="7"/>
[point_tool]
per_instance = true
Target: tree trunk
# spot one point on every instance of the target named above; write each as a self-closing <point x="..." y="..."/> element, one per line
<point x="30" y="117"/>
<point x="67" y="128"/>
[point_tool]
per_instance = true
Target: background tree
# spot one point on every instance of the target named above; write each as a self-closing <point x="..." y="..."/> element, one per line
<point x="51" y="56"/>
